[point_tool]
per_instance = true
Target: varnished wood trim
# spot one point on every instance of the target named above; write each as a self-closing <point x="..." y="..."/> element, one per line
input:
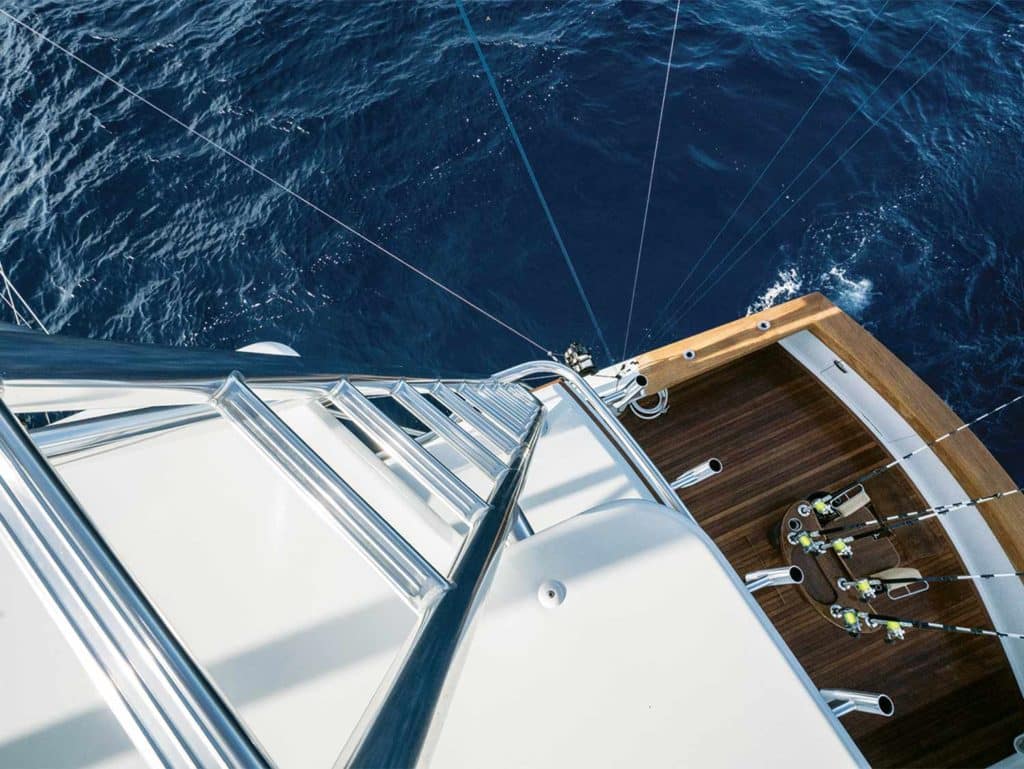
<point x="965" y="456"/>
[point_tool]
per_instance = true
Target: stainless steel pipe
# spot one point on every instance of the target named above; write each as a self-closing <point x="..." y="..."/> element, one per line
<point x="843" y="701"/>
<point x="632" y="390"/>
<point x="699" y="473"/>
<point x="782" y="575"/>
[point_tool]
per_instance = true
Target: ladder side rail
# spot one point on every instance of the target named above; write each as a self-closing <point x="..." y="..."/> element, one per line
<point x="166" y="705"/>
<point x="401" y="717"/>
<point x="410" y="574"/>
<point x="60" y="393"/>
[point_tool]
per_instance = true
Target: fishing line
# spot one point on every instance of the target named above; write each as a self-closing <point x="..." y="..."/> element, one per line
<point x="771" y="162"/>
<point x="835" y="163"/>
<point x="920" y="515"/>
<point x="650" y="181"/>
<point x="900" y="460"/>
<point x="533" y="177"/>
<point x="944" y="578"/>
<point x="281" y="186"/>
<point x="885" y="619"/>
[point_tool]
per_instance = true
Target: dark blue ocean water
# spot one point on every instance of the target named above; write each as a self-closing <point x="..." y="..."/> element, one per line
<point x="118" y="224"/>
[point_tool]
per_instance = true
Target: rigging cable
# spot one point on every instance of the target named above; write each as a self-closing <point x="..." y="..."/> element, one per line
<point x="650" y="181"/>
<point x="280" y="185"/>
<point x="835" y="163"/>
<point x="771" y="162"/>
<point x="533" y="177"/>
<point x="12" y="297"/>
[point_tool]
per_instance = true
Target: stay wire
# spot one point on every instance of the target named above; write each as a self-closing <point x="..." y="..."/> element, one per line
<point x="280" y="185"/>
<point x="835" y="163"/>
<point x="650" y="181"/>
<point x="675" y="316"/>
<point x="533" y="177"/>
<point x="774" y="157"/>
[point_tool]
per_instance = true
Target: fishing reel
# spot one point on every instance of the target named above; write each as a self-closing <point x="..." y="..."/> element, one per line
<point x="840" y="547"/>
<point x="821" y="505"/>
<point x="807" y="542"/>
<point x="893" y="629"/>
<point x="578" y="358"/>
<point x="865" y="588"/>
<point x="850" y="619"/>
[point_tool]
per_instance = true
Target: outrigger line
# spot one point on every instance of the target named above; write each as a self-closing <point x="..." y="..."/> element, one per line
<point x="894" y="626"/>
<point x="920" y="515"/>
<point x="884" y="468"/>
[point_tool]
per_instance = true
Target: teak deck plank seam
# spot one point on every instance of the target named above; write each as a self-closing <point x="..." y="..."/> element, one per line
<point x="965" y="456"/>
<point x="815" y="442"/>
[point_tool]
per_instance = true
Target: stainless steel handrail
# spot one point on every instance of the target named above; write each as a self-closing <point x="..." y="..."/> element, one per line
<point x="162" y="699"/>
<point x="601" y="413"/>
<point x="412" y="575"/>
<point x="400" y="720"/>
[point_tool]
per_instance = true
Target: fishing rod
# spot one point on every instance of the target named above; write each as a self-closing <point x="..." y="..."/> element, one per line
<point x="854" y="622"/>
<point x="888" y="466"/>
<point x="918" y="515"/>
<point x="867" y="587"/>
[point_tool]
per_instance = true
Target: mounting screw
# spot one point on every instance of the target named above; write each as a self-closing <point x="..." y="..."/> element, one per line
<point x="689" y="355"/>
<point x="551" y="593"/>
<point x="764" y="325"/>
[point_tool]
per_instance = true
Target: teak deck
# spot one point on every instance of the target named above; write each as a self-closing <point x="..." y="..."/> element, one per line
<point x="781" y="435"/>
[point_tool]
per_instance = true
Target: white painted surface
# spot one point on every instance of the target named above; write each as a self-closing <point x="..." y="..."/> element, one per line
<point x="292" y="625"/>
<point x="51" y="714"/>
<point x="654" y="658"/>
<point x="970" y="534"/>
<point x="575" y="467"/>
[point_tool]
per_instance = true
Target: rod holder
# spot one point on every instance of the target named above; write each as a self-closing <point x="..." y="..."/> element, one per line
<point x="843" y="701"/>
<point x="782" y="575"/>
<point x="699" y="473"/>
<point x="631" y="391"/>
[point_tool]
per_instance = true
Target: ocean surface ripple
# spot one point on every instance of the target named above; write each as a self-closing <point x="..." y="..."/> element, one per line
<point x="116" y="223"/>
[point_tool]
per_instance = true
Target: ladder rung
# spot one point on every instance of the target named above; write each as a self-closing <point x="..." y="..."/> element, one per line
<point x="503" y="420"/>
<point x="438" y="423"/>
<point x="411" y="574"/>
<point x="497" y="437"/>
<point x="420" y="463"/>
<point x="520" y="393"/>
<point x="523" y="411"/>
